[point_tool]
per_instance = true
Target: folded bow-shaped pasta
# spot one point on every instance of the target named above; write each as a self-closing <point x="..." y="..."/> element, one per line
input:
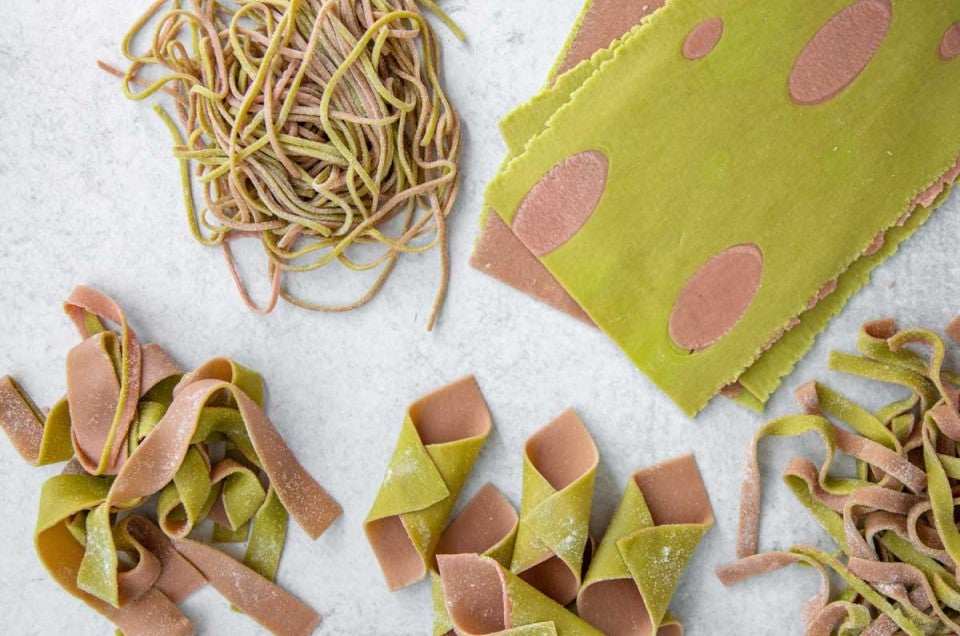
<point x="661" y="518"/>
<point x="486" y="526"/>
<point x="483" y="598"/>
<point x="137" y="427"/>
<point x="441" y="436"/>
<point x="559" y="468"/>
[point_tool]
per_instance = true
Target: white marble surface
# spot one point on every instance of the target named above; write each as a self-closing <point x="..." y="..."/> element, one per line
<point x="90" y="195"/>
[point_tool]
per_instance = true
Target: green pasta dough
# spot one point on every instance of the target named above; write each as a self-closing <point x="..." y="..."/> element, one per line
<point x="727" y="196"/>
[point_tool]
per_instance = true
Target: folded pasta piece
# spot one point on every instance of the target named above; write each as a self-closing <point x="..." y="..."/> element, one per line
<point x="559" y="468"/>
<point x="441" y="436"/>
<point x="482" y="598"/>
<point x="103" y="403"/>
<point x="178" y="579"/>
<point x="730" y="292"/>
<point x="62" y="498"/>
<point x="486" y="526"/>
<point x="117" y="463"/>
<point x="661" y="518"/>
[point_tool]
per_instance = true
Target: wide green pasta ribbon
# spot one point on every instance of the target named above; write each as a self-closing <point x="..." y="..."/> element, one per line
<point x="487" y="526"/>
<point x="895" y="521"/>
<point x="559" y="468"/>
<point x="440" y="438"/>
<point x="132" y="418"/>
<point x="197" y="487"/>
<point x="645" y="550"/>
<point x="67" y="496"/>
<point x="483" y="597"/>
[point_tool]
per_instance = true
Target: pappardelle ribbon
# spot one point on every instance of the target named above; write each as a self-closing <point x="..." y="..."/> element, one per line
<point x="487" y="526"/>
<point x="136" y="427"/>
<point x="894" y="520"/>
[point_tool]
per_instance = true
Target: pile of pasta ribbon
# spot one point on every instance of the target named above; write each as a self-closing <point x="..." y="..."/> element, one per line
<point x="895" y="519"/>
<point x="141" y="437"/>
<point x="316" y="126"/>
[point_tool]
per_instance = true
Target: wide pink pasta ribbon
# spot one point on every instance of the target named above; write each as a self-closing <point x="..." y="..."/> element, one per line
<point x="102" y="421"/>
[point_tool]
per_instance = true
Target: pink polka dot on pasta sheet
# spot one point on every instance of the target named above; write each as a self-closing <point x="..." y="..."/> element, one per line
<point x="716" y="297"/>
<point x="840" y="51"/>
<point x="561" y="202"/>
<point x="950" y="44"/>
<point x="703" y="39"/>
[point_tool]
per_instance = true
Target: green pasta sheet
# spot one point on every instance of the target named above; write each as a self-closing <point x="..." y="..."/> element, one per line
<point x="440" y="438"/>
<point x="706" y="154"/>
<point x="763" y="377"/>
<point x="526" y="121"/>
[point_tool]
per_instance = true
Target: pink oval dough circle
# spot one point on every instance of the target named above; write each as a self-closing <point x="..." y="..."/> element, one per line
<point x="950" y="44"/>
<point x="716" y="297"/>
<point x="561" y="202"/>
<point x="839" y="51"/>
<point x="702" y="39"/>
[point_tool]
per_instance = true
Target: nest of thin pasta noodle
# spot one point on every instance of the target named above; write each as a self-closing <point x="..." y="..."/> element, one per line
<point x="317" y="126"/>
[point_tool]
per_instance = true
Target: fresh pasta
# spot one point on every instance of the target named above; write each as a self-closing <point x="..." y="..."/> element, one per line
<point x="139" y="433"/>
<point x="893" y="521"/>
<point x="319" y="127"/>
